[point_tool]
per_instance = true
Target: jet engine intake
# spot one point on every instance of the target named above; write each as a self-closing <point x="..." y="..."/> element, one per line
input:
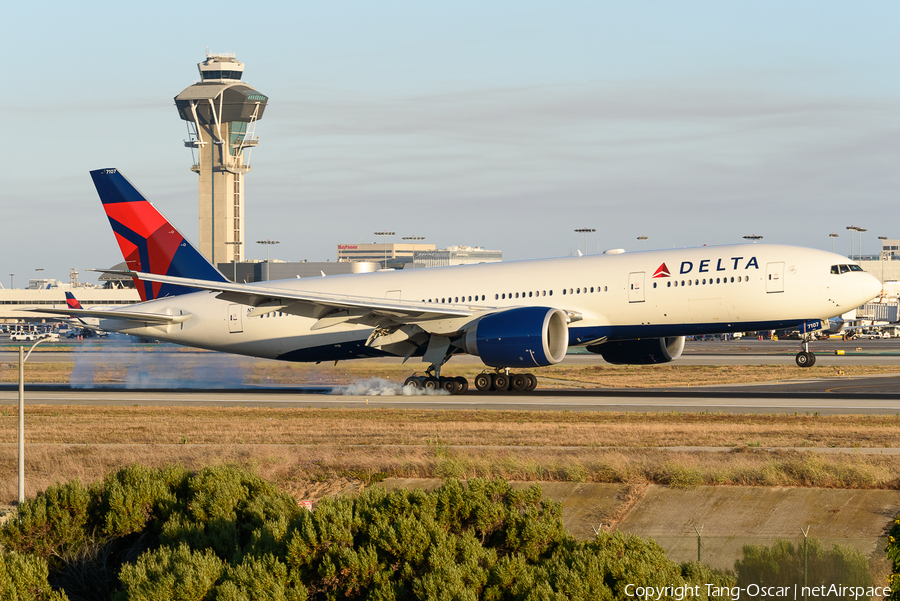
<point x="524" y="337"/>
<point x="644" y="351"/>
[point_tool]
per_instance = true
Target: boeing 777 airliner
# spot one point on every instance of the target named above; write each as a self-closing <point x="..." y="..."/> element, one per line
<point x="632" y="308"/>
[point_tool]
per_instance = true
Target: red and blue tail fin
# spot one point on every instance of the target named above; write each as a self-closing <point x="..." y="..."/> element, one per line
<point x="149" y="243"/>
<point x="72" y="302"/>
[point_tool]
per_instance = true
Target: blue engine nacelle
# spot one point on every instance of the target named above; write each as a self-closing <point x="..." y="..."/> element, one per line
<point x="640" y="352"/>
<point x="522" y="337"/>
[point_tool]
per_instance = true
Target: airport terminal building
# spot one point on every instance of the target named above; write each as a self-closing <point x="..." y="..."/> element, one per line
<point x="408" y="256"/>
<point x="51" y="294"/>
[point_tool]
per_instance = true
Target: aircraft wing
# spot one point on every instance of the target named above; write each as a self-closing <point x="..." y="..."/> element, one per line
<point x="151" y="318"/>
<point x="328" y="308"/>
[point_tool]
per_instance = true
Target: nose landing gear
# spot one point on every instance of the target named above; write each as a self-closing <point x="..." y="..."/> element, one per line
<point x="805" y="358"/>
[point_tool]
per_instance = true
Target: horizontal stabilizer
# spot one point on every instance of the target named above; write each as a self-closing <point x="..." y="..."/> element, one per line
<point x="155" y="318"/>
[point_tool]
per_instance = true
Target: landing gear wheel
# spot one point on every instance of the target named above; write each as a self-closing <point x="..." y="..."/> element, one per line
<point x="431" y="383"/>
<point x="518" y="382"/>
<point x="413" y="381"/>
<point x="500" y="382"/>
<point x="463" y="385"/>
<point x="483" y="382"/>
<point x="532" y="382"/>
<point x="805" y="359"/>
<point x="449" y="384"/>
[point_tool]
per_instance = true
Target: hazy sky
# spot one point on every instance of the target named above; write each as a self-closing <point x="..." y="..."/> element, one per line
<point x="501" y="124"/>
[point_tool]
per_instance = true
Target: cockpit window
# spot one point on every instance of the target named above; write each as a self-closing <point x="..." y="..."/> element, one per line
<point x="839" y="269"/>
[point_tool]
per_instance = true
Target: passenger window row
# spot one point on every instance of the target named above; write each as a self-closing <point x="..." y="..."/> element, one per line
<point x="704" y="281"/>
<point x="514" y="295"/>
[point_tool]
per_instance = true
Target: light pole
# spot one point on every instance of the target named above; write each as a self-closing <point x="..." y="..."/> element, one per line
<point x="882" y="256"/>
<point x="852" y="229"/>
<point x="414" y="238"/>
<point x="268" y="243"/>
<point x="753" y="238"/>
<point x="860" y="230"/>
<point x="11" y="280"/>
<point x="234" y="259"/>
<point x="585" y="231"/>
<point x="642" y="238"/>
<point x="832" y="235"/>
<point x="385" y="244"/>
<point x="22" y="359"/>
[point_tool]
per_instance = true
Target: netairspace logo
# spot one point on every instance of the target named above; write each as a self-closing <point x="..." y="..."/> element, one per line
<point x="382" y="387"/>
<point x="753" y="591"/>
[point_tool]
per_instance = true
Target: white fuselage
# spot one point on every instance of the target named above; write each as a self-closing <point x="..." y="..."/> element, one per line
<point x="616" y="296"/>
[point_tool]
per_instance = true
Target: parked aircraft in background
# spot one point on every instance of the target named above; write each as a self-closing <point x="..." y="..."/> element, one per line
<point x="90" y="326"/>
<point x="627" y="307"/>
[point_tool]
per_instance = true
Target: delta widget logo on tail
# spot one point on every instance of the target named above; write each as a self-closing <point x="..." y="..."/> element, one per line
<point x="662" y="272"/>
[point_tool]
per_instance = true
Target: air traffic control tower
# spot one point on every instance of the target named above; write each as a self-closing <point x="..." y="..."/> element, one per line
<point x="221" y="114"/>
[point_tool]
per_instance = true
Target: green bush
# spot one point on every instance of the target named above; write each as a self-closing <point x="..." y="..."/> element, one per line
<point x="127" y="499"/>
<point x="24" y="578"/>
<point x="51" y="523"/>
<point x="225" y="534"/>
<point x="179" y="574"/>
<point x="782" y="565"/>
<point x="259" y="579"/>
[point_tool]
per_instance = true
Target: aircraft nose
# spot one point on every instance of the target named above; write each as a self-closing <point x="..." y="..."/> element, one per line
<point x="871" y="287"/>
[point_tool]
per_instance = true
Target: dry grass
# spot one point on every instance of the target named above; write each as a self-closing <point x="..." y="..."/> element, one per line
<point x="297" y="446"/>
<point x="574" y="376"/>
<point x="298" y="469"/>
<point x="92" y="425"/>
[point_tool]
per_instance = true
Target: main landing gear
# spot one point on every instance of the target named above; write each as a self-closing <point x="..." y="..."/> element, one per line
<point x="805" y="358"/>
<point x="503" y="380"/>
<point x="432" y="380"/>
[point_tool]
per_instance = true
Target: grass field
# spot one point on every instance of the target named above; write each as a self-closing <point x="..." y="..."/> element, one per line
<point x="299" y="448"/>
<point x="304" y="449"/>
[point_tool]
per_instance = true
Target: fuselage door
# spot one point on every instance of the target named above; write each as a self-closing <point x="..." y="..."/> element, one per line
<point x="235" y="325"/>
<point x="774" y="277"/>
<point x="636" y="287"/>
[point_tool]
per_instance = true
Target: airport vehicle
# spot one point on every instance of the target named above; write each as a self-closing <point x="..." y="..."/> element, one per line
<point x="632" y="308"/>
<point x="868" y="335"/>
<point x="24" y="332"/>
<point x="23" y="337"/>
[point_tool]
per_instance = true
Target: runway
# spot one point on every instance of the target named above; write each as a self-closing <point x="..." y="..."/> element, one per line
<point x="858" y="395"/>
<point x="873" y="395"/>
